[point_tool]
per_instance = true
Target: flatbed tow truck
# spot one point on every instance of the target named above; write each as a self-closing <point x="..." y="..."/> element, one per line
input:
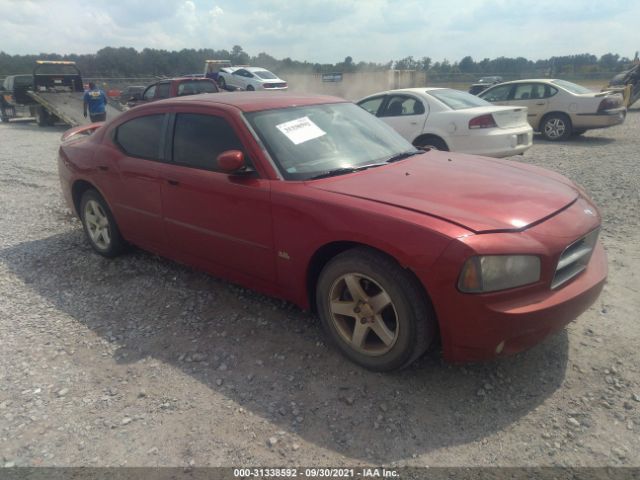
<point x="57" y="94"/>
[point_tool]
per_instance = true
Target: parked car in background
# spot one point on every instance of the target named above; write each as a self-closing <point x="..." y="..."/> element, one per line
<point x="557" y="108"/>
<point x="131" y="92"/>
<point x="314" y="200"/>
<point x="173" y="87"/>
<point x="250" y="78"/>
<point x="484" y="83"/>
<point x="447" y="119"/>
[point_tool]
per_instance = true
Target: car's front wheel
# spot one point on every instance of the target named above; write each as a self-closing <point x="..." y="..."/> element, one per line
<point x="373" y="310"/>
<point x="99" y="225"/>
<point x="555" y="127"/>
<point x="431" y="143"/>
<point x="250" y="88"/>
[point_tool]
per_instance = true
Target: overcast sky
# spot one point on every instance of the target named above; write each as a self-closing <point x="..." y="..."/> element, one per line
<point x="327" y="30"/>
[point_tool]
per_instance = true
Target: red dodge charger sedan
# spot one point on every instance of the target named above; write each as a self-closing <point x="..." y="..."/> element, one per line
<point x="314" y="200"/>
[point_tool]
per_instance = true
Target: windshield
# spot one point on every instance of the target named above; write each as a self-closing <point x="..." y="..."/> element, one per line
<point x="309" y="141"/>
<point x="572" y="87"/>
<point x="264" y="74"/>
<point x="457" y="100"/>
<point x="55" y="69"/>
<point x="22" y="80"/>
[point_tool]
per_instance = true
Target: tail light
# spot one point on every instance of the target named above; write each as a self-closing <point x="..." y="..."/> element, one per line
<point x="483" y="121"/>
<point x="608" y="103"/>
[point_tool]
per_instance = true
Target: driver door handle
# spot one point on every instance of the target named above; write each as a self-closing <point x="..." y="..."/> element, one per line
<point x="173" y="182"/>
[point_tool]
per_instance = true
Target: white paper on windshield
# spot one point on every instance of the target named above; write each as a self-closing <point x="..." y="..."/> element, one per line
<point x="300" y="130"/>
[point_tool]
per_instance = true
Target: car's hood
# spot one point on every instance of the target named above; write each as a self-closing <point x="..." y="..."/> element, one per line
<point x="478" y="193"/>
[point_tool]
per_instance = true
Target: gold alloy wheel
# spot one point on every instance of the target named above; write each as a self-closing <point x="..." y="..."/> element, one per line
<point x="97" y="224"/>
<point x="363" y="314"/>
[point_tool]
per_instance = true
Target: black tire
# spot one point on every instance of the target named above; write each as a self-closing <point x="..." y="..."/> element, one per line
<point x="408" y="316"/>
<point x="42" y="117"/>
<point x="116" y="244"/>
<point x="250" y="88"/>
<point x="5" y="119"/>
<point x="431" y="143"/>
<point x="556" y="127"/>
<point x="222" y="83"/>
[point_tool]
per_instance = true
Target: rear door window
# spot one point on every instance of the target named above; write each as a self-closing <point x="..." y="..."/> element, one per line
<point x="163" y="90"/>
<point x="400" y="105"/>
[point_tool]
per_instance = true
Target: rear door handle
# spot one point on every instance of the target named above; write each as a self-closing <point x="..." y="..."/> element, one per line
<point x="104" y="168"/>
<point x="173" y="182"/>
<point x="540" y="103"/>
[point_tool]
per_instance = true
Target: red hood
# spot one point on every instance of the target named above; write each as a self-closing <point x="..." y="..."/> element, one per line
<point x="478" y="193"/>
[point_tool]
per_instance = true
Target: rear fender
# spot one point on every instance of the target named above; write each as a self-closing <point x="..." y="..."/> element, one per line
<point x="81" y="130"/>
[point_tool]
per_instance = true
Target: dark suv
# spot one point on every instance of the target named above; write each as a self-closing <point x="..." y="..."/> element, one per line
<point x="14" y="94"/>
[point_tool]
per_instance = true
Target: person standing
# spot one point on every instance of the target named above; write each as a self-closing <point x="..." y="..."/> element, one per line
<point x="96" y="101"/>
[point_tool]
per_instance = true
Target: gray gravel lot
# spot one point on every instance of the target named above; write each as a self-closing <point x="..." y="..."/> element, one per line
<point x="140" y="361"/>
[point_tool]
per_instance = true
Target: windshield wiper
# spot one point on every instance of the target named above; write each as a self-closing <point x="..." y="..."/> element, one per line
<point x="403" y="155"/>
<point x="345" y="170"/>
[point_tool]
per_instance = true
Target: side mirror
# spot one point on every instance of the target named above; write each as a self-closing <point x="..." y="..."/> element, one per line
<point x="230" y="161"/>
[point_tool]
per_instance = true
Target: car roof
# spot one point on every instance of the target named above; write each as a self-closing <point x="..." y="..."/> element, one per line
<point x="176" y="79"/>
<point x="249" y="101"/>
<point x="527" y="80"/>
<point x="410" y="90"/>
<point x="255" y="69"/>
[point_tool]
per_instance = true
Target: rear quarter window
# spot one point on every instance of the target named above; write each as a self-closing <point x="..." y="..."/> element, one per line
<point x="142" y="137"/>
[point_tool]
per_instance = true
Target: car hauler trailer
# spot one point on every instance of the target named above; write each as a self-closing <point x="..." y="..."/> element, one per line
<point x="58" y="94"/>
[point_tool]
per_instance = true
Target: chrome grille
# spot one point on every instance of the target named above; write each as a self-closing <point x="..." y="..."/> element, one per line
<point x="574" y="259"/>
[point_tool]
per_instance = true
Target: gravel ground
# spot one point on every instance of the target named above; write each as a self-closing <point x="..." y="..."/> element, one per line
<point x="139" y="361"/>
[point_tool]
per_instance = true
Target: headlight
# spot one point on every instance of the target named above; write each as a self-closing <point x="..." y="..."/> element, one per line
<point x="489" y="273"/>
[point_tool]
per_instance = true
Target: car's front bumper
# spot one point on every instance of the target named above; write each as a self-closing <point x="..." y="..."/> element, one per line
<point x="483" y="326"/>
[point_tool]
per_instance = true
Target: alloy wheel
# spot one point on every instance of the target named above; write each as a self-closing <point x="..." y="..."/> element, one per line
<point x="97" y="224"/>
<point x="363" y="314"/>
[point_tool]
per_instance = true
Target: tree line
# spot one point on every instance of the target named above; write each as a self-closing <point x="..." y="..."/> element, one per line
<point x="123" y="62"/>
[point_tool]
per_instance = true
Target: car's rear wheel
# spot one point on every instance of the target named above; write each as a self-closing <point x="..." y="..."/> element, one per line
<point x="99" y="225"/>
<point x="373" y="310"/>
<point x="222" y="83"/>
<point x="250" y="88"/>
<point x="556" y="127"/>
<point x="42" y="117"/>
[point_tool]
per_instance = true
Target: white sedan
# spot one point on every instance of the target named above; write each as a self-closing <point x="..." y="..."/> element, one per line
<point x="447" y="119"/>
<point x="250" y="78"/>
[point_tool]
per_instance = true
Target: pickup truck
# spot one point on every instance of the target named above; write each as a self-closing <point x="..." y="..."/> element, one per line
<point x="14" y="98"/>
<point x="173" y="87"/>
